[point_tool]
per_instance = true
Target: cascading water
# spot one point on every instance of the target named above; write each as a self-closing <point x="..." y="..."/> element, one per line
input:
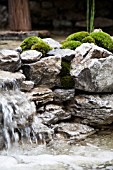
<point x="16" y="113"/>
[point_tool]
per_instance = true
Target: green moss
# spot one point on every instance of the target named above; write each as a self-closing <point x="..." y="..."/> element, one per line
<point x="103" y="39"/>
<point x="65" y="68"/>
<point x="35" y="43"/>
<point x="65" y="78"/>
<point x="88" y="39"/>
<point x="42" y="47"/>
<point x="78" y="36"/>
<point x="67" y="82"/>
<point x="71" y="44"/>
<point x="28" y="42"/>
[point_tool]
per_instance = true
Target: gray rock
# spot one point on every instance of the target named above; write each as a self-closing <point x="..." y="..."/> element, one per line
<point x="27" y="85"/>
<point x="92" y="69"/>
<point x="10" y="80"/>
<point x="93" y="109"/>
<point x="42" y="134"/>
<point x="73" y="131"/>
<point x="44" y="72"/>
<point x="9" y="60"/>
<point x="41" y="95"/>
<point x="66" y="54"/>
<point x="52" y="42"/>
<point x="62" y="95"/>
<point x="30" y="56"/>
<point x="52" y="114"/>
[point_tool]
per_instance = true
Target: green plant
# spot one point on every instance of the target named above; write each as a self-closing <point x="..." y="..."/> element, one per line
<point x="78" y="36"/>
<point x="103" y="39"/>
<point x="71" y="44"/>
<point x="90" y="15"/>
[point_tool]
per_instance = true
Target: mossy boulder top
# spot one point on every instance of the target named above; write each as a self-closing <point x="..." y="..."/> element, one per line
<point x="35" y="43"/>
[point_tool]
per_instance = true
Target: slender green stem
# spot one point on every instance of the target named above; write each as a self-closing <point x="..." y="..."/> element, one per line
<point x="87" y="19"/>
<point x="92" y="15"/>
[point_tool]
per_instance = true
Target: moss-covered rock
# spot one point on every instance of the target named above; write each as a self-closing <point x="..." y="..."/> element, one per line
<point x="103" y="39"/>
<point x="42" y="47"/>
<point x="78" y="36"/>
<point x="88" y="39"/>
<point x="35" y="43"/>
<point x="67" y="82"/>
<point x="28" y="42"/>
<point x="71" y="44"/>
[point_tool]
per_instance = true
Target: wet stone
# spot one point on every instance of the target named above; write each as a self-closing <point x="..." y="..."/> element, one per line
<point x="9" y="60"/>
<point x="41" y="95"/>
<point x="73" y="131"/>
<point x="62" y="95"/>
<point x="27" y="85"/>
<point x="52" y="114"/>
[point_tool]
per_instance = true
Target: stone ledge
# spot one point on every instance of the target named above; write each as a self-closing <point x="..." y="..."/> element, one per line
<point x="21" y="35"/>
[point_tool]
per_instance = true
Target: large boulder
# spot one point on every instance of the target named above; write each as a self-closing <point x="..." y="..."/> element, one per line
<point x="93" y="109"/>
<point x="92" y="69"/>
<point x="9" y="60"/>
<point x="44" y="72"/>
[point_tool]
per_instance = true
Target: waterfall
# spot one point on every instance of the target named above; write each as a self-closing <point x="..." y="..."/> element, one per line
<point x="16" y="113"/>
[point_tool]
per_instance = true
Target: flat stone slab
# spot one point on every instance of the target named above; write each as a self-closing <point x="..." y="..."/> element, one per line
<point x="21" y="35"/>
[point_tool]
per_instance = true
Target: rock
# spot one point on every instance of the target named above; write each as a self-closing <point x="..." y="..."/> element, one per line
<point x="52" y="42"/>
<point x="41" y="132"/>
<point x="66" y="54"/>
<point x="51" y="114"/>
<point x="18" y="49"/>
<point x="93" y="109"/>
<point x="41" y="95"/>
<point x="9" y="60"/>
<point x="92" y="69"/>
<point x="62" y="95"/>
<point x="44" y="72"/>
<point x="30" y="56"/>
<point x="27" y="85"/>
<point x="73" y="131"/>
<point x="10" y="80"/>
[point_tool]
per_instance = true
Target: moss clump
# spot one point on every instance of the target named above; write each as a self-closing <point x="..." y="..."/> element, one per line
<point x="65" y="79"/>
<point x="28" y="42"/>
<point x="65" y="68"/>
<point x="78" y="36"/>
<point x="103" y="39"/>
<point x="71" y="44"/>
<point x="88" y="39"/>
<point x="35" y="42"/>
<point x="67" y="82"/>
<point x="42" y="47"/>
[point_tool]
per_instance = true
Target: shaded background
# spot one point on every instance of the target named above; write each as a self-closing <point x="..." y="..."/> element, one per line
<point x="63" y="15"/>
